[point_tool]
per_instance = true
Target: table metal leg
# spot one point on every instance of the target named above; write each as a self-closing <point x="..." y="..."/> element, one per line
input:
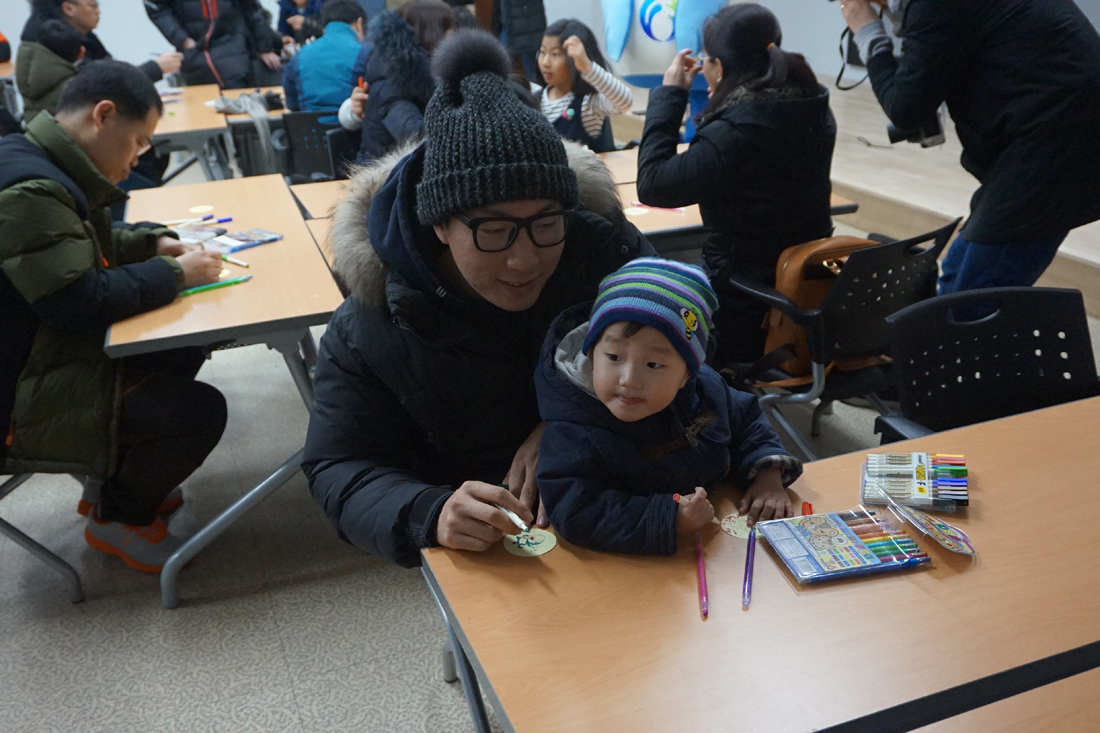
<point x="72" y="578"/>
<point x="169" y="576"/>
<point x="465" y="670"/>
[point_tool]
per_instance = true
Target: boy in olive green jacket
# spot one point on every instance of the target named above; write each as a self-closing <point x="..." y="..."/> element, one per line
<point x="141" y="425"/>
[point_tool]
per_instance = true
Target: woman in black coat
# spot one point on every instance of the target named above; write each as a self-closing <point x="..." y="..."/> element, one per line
<point x="758" y="166"/>
<point x="397" y="79"/>
<point x="424" y="388"/>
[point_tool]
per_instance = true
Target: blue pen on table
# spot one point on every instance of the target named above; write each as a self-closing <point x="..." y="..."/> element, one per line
<point x="746" y="589"/>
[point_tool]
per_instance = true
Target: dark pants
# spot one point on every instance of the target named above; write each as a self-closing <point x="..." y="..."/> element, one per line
<point x="970" y="265"/>
<point x="168" y="425"/>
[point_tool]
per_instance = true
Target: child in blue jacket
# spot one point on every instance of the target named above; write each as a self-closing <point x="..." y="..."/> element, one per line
<point x="633" y="415"/>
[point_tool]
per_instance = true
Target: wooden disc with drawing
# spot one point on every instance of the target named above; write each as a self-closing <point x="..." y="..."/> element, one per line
<point x="531" y="543"/>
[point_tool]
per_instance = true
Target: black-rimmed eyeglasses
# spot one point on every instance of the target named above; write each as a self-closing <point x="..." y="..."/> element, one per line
<point x="497" y="233"/>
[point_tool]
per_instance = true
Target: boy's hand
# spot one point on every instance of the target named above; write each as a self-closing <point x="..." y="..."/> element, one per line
<point x="470" y="521"/>
<point x="170" y="62"/>
<point x="172" y="247"/>
<point x="296" y="21"/>
<point x="359" y="97"/>
<point x="695" y="512"/>
<point x="575" y="49"/>
<point x="200" y="267"/>
<point x="522" y="476"/>
<point x="766" y="498"/>
<point x="858" y="13"/>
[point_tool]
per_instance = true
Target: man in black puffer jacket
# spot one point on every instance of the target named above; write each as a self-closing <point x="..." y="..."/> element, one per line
<point x="424" y="389"/>
<point x="217" y="38"/>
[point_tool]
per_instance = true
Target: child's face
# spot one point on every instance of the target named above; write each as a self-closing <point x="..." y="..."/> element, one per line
<point x="636" y="376"/>
<point x="554" y="63"/>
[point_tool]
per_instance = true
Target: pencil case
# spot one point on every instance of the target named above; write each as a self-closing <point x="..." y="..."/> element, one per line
<point x="819" y="547"/>
<point x="934" y="481"/>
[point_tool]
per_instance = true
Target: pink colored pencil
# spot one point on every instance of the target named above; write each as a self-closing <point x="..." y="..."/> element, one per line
<point x="704" y="601"/>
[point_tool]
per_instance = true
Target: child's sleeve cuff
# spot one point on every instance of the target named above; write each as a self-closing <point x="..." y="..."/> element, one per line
<point x="789" y="465"/>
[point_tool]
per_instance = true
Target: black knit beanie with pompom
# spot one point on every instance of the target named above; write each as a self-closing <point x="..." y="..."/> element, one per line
<point x="483" y="145"/>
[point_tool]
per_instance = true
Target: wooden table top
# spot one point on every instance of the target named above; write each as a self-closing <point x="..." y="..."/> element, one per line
<point x="578" y="640"/>
<point x="319" y="228"/>
<point x="651" y="220"/>
<point x="191" y="113"/>
<point x="291" y="284"/>
<point x="623" y="165"/>
<point x="320" y="198"/>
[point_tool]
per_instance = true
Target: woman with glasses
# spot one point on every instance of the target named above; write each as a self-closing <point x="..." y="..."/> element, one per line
<point x="758" y="165"/>
<point x="457" y="253"/>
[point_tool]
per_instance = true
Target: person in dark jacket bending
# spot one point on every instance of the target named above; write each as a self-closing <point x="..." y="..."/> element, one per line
<point x="633" y="417"/>
<point x="458" y="256"/>
<point x="1021" y="79"/>
<point x="758" y="165"/>
<point x="217" y="38"/>
<point x="398" y="83"/>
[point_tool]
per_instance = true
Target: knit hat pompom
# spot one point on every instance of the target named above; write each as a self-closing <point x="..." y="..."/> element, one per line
<point x="467" y="52"/>
<point x="670" y="296"/>
<point x="482" y="144"/>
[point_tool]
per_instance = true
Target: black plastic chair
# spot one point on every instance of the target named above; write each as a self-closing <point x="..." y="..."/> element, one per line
<point x="343" y="148"/>
<point x="1031" y="351"/>
<point x="307" y="145"/>
<point x="851" y="322"/>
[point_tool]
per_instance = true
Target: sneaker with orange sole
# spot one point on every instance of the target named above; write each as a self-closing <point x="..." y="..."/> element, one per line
<point x="92" y="490"/>
<point x="142" y="548"/>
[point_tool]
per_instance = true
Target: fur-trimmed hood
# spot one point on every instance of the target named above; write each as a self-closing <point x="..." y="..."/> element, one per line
<point x="398" y="59"/>
<point x="358" y="264"/>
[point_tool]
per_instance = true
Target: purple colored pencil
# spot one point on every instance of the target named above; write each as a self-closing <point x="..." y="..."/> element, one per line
<point x="746" y="589"/>
<point x="704" y="601"/>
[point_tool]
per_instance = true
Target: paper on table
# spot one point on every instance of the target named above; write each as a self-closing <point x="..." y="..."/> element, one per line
<point x="530" y="544"/>
<point x="736" y="525"/>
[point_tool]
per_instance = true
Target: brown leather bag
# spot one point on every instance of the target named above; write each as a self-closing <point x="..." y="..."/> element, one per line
<point x="804" y="273"/>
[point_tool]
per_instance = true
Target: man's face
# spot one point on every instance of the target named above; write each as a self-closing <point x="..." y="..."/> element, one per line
<point x="114" y="143"/>
<point x="513" y="278"/>
<point x="81" y="14"/>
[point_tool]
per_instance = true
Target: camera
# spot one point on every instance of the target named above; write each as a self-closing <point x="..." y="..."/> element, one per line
<point x="929" y="134"/>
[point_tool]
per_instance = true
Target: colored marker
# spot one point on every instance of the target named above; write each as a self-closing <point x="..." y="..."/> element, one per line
<point x="215" y="286"/>
<point x="360" y="82"/>
<point x="701" y="569"/>
<point x="514" y="517"/>
<point x="680" y="500"/>
<point x="746" y="588"/>
<point x="233" y="260"/>
<point x="807" y="508"/>
<point x="193" y="220"/>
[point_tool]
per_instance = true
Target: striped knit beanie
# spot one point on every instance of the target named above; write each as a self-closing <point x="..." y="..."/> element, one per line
<point x="672" y="297"/>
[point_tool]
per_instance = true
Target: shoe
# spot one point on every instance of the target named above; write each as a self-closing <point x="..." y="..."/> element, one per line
<point x="93" y="488"/>
<point x="142" y="548"/>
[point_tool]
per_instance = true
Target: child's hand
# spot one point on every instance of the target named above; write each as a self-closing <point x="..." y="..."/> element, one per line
<point x="694" y="512"/>
<point x="766" y="498"/>
<point x="359" y="96"/>
<point x="575" y="49"/>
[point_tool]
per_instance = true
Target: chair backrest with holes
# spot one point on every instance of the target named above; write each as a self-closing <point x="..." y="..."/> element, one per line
<point x="1032" y="350"/>
<point x="873" y="284"/>
<point x="308" y="144"/>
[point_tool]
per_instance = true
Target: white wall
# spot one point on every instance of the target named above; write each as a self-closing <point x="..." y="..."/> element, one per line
<point x="124" y="27"/>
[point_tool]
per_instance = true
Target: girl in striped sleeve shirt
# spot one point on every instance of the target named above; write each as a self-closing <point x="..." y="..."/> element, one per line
<point x="580" y="92"/>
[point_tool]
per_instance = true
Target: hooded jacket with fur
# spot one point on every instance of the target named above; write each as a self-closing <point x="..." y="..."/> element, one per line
<point x="418" y="388"/>
<point x="399" y="76"/>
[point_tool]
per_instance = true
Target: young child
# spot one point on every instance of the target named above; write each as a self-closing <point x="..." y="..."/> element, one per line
<point x="580" y="92"/>
<point x="49" y="64"/>
<point x="633" y="416"/>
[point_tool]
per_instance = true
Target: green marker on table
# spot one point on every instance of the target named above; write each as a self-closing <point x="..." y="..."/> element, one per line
<point x="215" y="286"/>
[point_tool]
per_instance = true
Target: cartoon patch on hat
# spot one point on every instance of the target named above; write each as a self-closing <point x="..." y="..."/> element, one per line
<point x="691" y="321"/>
